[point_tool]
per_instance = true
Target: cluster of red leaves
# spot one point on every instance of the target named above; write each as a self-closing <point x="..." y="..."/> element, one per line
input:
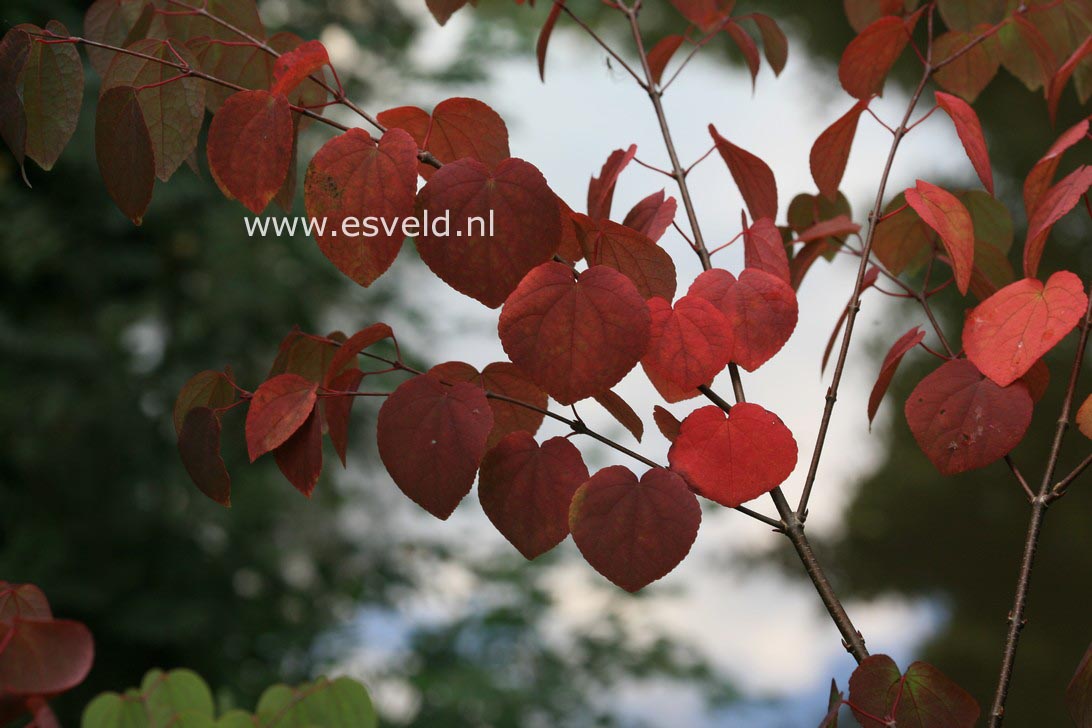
<point x="40" y="657"/>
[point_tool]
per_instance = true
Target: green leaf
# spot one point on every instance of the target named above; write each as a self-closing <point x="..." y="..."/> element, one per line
<point x="340" y="703"/>
<point x="175" y="699"/>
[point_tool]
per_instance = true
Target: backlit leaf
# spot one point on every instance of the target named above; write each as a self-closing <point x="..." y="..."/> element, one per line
<point x="575" y="339"/>
<point x="942" y="211"/>
<point x="354" y="345"/>
<point x="23" y="600"/>
<point x="966" y="14"/>
<point x="525" y="490"/>
<point x="1041" y="177"/>
<point x="1064" y="73"/>
<point x="970" y="134"/>
<point x="733" y="458"/>
<point x="43" y="656"/>
<point x="109" y="22"/>
<point x="764" y="249"/>
<point x="432" y="438"/>
<point x="632" y="531"/>
<point x="891" y="361"/>
<point x="352" y="177"/>
<point x="862" y="13"/>
<point x="706" y="14"/>
<point x="250" y="147"/>
<point x="338" y="409"/>
<point x="278" y="408"/>
<point x="123" y="147"/>
<point x="691" y="342"/>
<point x="922" y="698"/>
<point x="338" y="703"/>
<point x="902" y="241"/>
<point x="293" y="68"/>
<point x="1008" y="332"/>
<point x="753" y="177"/>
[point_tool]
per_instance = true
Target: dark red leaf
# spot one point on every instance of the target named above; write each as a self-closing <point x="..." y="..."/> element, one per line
<point x="963" y="421"/>
<point x="862" y="13"/>
<point x="199" y="448"/>
<point x="747" y="47"/>
<point x="442" y="10"/>
<point x="691" y="342"/>
<point x="869" y="57"/>
<point x="23" y="600"/>
<point x="525" y="490"/>
<point x="891" y="361"/>
<point x="629" y="252"/>
<point x="575" y="339"/>
<point x="432" y="439"/>
<point x="307" y="356"/>
<point x="51" y="93"/>
<point x="838" y="227"/>
<point x="123" y="147"/>
<point x="971" y="72"/>
<point x="634" y="532"/>
<point x="620" y="410"/>
<point x="507" y="380"/>
<point x="1084" y="418"/>
<point x="760" y="308"/>
<point x="205" y="389"/>
<point x="922" y="698"/>
<point x="278" y="408"/>
<point x="661" y="54"/>
<point x="753" y="177"/>
<point x="601" y="188"/>
<point x="520" y="226"/>
<point x="544" y="36"/>
<point x="764" y="249"/>
<point x="706" y="14"/>
<point x="293" y="68"/>
<point x="109" y="22"/>
<point x="250" y="147"/>
<point x="1078" y="694"/>
<point x="458" y="128"/>
<point x="774" y="43"/>
<point x="733" y="458"/>
<point x="300" y="457"/>
<point x="1052" y="207"/>
<point x="830" y="152"/>
<point x="350" y="350"/>
<point x="970" y="134"/>
<point x="14" y="50"/>
<point x="339" y="409"/>
<point x="944" y="213"/>
<point x="667" y="423"/>
<point x="1008" y="332"/>
<point x="43" y="656"/>
<point x="652" y="216"/>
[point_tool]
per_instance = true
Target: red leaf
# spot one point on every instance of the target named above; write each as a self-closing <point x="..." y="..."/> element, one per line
<point x="199" y="448"/>
<point x="1084" y="418"/>
<point x="862" y="13"/>
<point x="569" y="247"/>
<point x="51" y="91"/>
<point x="300" y="457"/>
<point x="339" y="409"/>
<point x="353" y="177"/>
<point x="1041" y="176"/>
<point x="774" y="43"/>
<point x="250" y="147"/>
<point x="830" y="152"/>
<point x="575" y="339"/>
<point x="205" y="389"/>
<point x="661" y="54"/>
<point x="43" y="656"/>
<point x="667" y="423"/>
<point x="1008" y="332"/>
<point x="520" y="226"/>
<point x="123" y="147"/>
<point x="867" y="282"/>
<point x="634" y="532"/>
<point x="924" y="697"/>
<point x="898" y="350"/>
<point x="764" y="249"/>
<point x="601" y="188"/>
<point x="1053" y="206"/>
<point x="1062" y="75"/>
<point x="753" y="177"/>
<point x="970" y="134"/>
<point x="432" y="438"/>
<point x="508" y="380"/>
<point x="1026" y="53"/>
<point x="943" y="212"/>
<point x="734" y="458"/>
<point x="747" y="47"/>
<point x="23" y="600"/>
<point x="836" y="227"/>
<point x="1078" y="694"/>
<point x="760" y="308"/>
<point x="1037" y="380"/>
<point x="869" y="57"/>
<point x="971" y="72"/>
<point x="293" y="68"/>
<point x="109" y="22"/>
<point x="278" y="408"/>
<point x="544" y="36"/>
<point x="652" y="216"/>
<point x="630" y="253"/>
<point x="963" y="421"/>
<point x="525" y="490"/>
<point x="667" y="389"/>
<point x="458" y="128"/>
<point x="620" y="410"/>
<point x="307" y="356"/>
<point x="706" y="14"/>
<point x="14" y="50"/>
<point x="442" y="10"/>
<point x="350" y="350"/>
<point x="690" y="343"/>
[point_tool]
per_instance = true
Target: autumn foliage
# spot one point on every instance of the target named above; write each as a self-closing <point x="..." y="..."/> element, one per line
<point x="586" y="298"/>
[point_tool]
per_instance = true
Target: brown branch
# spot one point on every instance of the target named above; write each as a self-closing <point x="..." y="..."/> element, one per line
<point x="1039" y="505"/>
<point x="1062" y="486"/>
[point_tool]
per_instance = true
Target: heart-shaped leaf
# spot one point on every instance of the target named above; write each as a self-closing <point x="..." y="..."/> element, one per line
<point x="691" y="342"/>
<point x="922" y="698"/>
<point x="250" y="147"/>
<point x="505" y="379"/>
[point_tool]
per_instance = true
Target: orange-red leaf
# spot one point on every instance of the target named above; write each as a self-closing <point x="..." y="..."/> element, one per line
<point x="963" y="421"/>
<point x="575" y="339"/>
<point x="970" y="134"/>
<point x="943" y="212"/>
<point x="753" y="177"/>
<point x="1041" y="176"/>
<point x="691" y="342"/>
<point x="503" y="223"/>
<point x="526" y="490"/>
<point x="250" y="147"/>
<point x="199" y="448"/>
<point x="1008" y="332"/>
<point x="898" y="350"/>
<point x="830" y="152"/>
<point x="733" y="458"/>
<point x="278" y="408"/>
<point x="352" y="177"/>
<point x="1062" y="75"/>
<point x="432" y="439"/>
<point x="293" y="68"/>
<point x="1052" y="207"/>
<point x="869" y="57"/>
<point x="123" y="147"/>
<point x="632" y="531"/>
<point x="760" y="308"/>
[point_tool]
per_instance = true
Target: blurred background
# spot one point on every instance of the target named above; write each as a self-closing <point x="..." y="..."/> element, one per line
<point x="102" y="323"/>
